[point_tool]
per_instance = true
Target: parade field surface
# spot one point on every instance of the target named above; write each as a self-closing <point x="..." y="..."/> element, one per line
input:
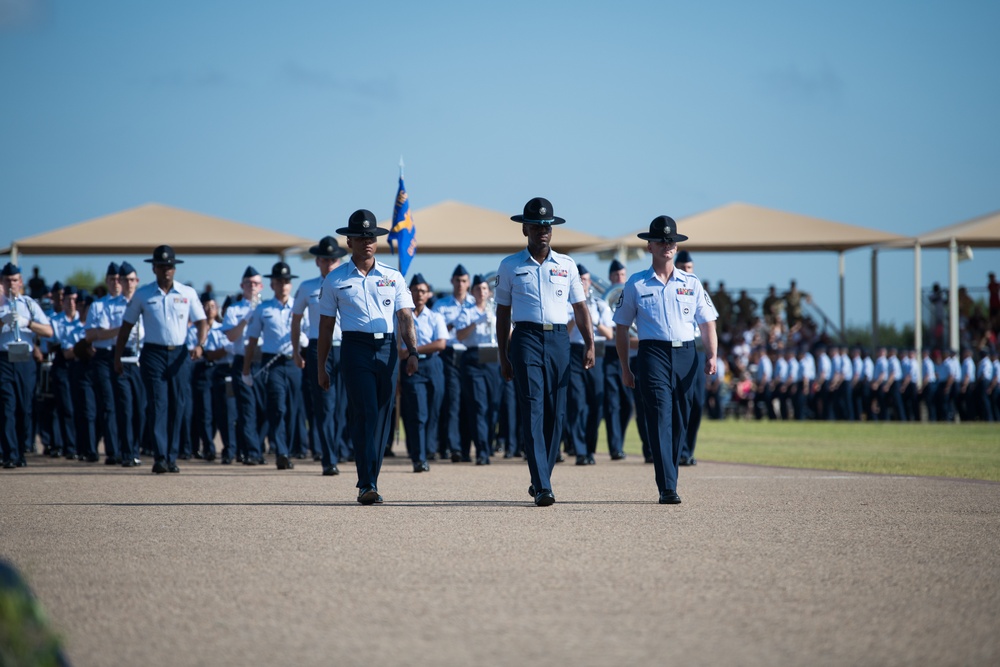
<point x="224" y="565"/>
<point x="970" y="451"/>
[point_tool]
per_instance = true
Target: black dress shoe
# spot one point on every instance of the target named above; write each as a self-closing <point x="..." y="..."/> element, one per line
<point x="210" y="458"/>
<point x="692" y="462"/>
<point x="456" y="457"/>
<point x="561" y="458"/>
<point x="390" y="454"/>
<point x="250" y="462"/>
<point x="670" y="498"/>
<point x="92" y="458"/>
<point x="226" y="461"/>
<point x="590" y="460"/>
<point x="426" y="467"/>
<point x="581" y="460"/>
<point x="317" y="458"/>
<point x="22" y="464"/>
<point x="432" y="456"/>
<point x="544" y="498"/>
<point x="332" y="470"/>
<point x="649" y="459"/>
<point x="9" y="465"/>
<point x="159" y="467"/>
<point x="173" y="468"/>
<point x="129" y="463"/>
<point x="369" y="496"/>
<point x="111" y="462"/>
<point x="531" y="490"/>
<point x="284" y="464"/>
<point x="617" y="456"/>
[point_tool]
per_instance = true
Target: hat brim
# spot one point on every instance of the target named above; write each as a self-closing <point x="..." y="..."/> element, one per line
<point x="338" y="252"/>
<point x="555" y="220"/>
<point x="350" y="233"/>
<point x="274" y="276"/>
<point x="170" y="262"/>
<point x="676" y="238"/>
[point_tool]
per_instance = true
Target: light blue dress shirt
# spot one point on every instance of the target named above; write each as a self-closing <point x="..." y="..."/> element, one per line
<point x="665" y="312"/>
<point x="538" y="292"/>
<point x="430" y="326"/>
<point x="165" y="316"/>
<point x="450" y="308"/>
<point x="272" y="322"/>
<point x="27" y="308"/>
<point x="485" y="329"/>
<point x="363" y="303"/>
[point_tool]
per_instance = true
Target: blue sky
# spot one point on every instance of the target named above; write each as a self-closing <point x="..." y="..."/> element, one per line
<point x="291" y="115"/>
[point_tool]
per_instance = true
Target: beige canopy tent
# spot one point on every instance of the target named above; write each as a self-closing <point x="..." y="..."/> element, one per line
<point x="454" y="228"/>
<point x="138" y="230"/>
<point x="980" y="232"/>
<point x="739" y="227"/>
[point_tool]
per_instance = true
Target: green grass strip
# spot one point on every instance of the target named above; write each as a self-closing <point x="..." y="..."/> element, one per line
<point x="967" y="451"/>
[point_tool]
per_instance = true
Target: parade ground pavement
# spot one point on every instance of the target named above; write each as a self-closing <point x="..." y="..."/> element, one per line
<point x="234" y="565"/>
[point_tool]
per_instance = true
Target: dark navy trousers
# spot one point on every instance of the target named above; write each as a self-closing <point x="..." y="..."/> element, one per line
<point x="450" y="426"/>
<point x="541" y="372"/>
<point x="224" y="410"/>
<point x="369" y="367"/>
<point x="324" y="405"/>
<point x="697" y="406"/>
<point x="249" y="411"/>
<point x="59" y="380"/>
<point x="421" y="395"/>
<point x="130" y="408"/>
<point x="585" y="402"/>
<point x="202" y="420"/>
<point x="284" y="396"/>
<point x="617" y="402"/>
<point x="165" y="377"/>
<point x="84" y="409"/>
<point x="481" y="401"/>
<point x="665" y="376"/>
<point x="102" y="373"/>
<point x="17" y="388"/>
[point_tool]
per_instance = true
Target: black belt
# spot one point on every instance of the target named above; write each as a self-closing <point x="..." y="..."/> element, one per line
<point x="368" y="337"/>
<point x="272" y="359"/>
<point x="157" y="346"/>
<point x="535" y="326"/>
<point x="671" y="344"/>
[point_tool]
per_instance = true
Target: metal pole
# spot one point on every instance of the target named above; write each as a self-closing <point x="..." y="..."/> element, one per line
<point x="840" y="267"/>
<point x="874" y="298"/>
<point x="953" y="339"/>
<point x="918" y="318"/>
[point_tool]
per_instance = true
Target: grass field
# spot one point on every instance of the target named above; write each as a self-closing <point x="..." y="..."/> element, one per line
<point x="969" y="451"/>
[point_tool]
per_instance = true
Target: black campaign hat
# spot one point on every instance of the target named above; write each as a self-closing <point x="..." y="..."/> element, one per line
<point x="538" y="211"/>
<point x="664" y="229"/>
<point x="362" y="223"/>
<point x="281" y="270"/>
<point x="327" y="247"/>
<point x="164" y="254"/>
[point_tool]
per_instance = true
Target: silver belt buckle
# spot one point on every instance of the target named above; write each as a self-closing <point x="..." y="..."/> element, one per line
<point x="676" y="343"/>
<point x="18" y="351"/>
<point x="547" y="327"/>
<point x="378" y="336"/>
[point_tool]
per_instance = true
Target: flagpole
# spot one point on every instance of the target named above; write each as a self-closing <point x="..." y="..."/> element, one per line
<point x="399" y="265"/>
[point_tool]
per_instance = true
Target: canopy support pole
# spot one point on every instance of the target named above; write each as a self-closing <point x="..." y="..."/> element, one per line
<point x="918" y="316"/>
<point x="953" y="339"/>
<point x="874" y="298"/>
<point x="840" y="268"/>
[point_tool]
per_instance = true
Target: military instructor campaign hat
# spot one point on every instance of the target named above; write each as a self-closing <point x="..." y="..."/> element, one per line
<point x="663" y="229"/>
<point x="281" y="270"/>
<point x="164" y="254"/>
<point x="538" y="211"/>
<point x="327" y="247"/>
<point x="362" y="223"/>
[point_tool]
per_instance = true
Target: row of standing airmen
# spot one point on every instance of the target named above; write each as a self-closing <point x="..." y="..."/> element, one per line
<point x="537" y="292"/>
<point x="845" y="383"/>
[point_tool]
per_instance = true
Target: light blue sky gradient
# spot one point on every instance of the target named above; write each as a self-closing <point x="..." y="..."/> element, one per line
<point x="291" y="115"/>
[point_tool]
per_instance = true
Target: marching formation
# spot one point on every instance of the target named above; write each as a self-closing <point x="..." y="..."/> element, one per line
<point x="492" y="369"/>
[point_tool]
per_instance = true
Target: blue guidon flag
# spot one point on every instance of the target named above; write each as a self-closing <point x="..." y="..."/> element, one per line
<point x="403" y="234"/>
